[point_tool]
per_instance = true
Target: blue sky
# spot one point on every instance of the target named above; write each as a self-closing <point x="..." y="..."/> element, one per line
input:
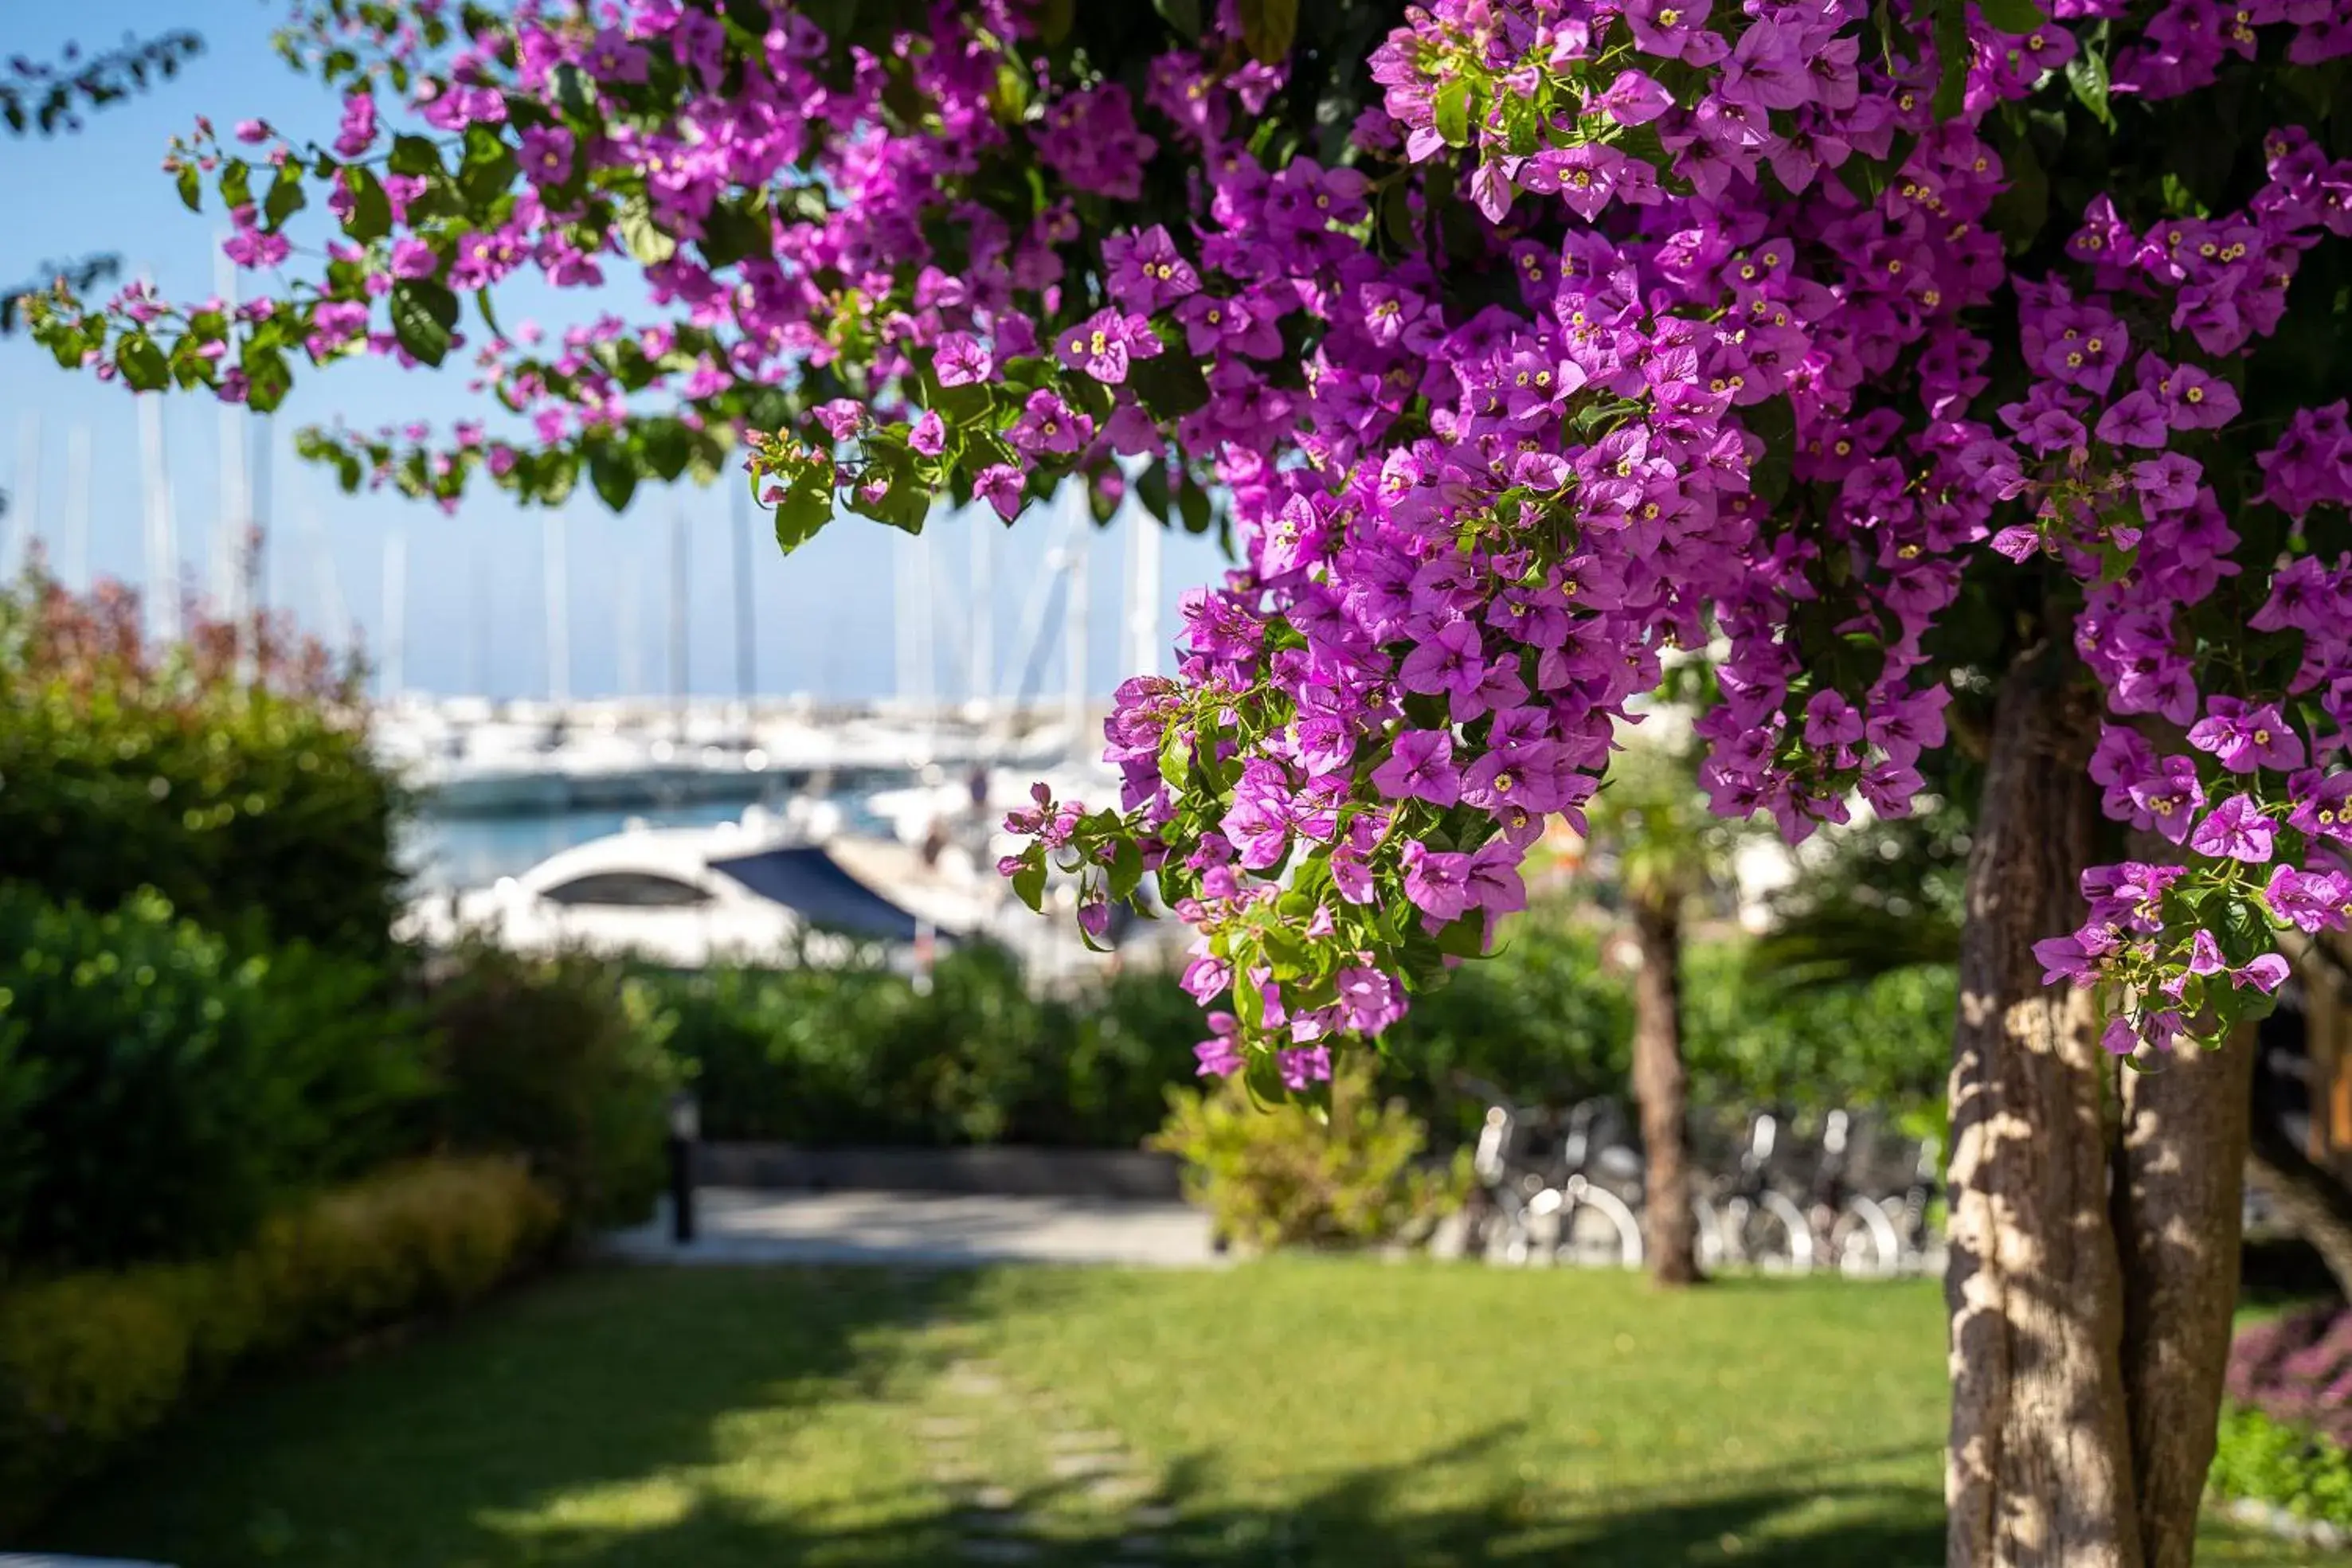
<point x="475" y="592"/>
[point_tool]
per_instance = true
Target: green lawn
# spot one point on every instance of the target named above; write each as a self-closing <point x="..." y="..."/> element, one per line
<point x="1289" y="1412"/>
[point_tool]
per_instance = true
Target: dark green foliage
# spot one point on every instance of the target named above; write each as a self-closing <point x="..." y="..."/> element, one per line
<point x="561" y="1060"/>
<point x="840" y="1057"/>
<point x="833" y="1058"/>
<point x="160" y="1094"/>
<point x="252" y="805"/>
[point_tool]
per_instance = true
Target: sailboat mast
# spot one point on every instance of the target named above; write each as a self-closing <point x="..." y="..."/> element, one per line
<point x="73" y="559"/>
<point x="163" y="549"/>
<point x="555" y="567"/>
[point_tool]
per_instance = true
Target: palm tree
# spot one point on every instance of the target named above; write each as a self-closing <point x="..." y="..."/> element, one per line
<point x="1650" y="822"/>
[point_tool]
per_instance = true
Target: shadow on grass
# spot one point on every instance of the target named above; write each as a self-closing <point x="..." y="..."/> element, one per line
<point x="765" y="1417"/>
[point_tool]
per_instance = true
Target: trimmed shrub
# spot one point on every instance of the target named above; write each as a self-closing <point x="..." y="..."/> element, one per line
<point x="160" y="1094"/>
<point x="235" y="779"/>
<point x="856" y="1056"/>
<point x="2297" y="1369"/>
<point x="562" y="1061"/>
<point x="2267" y="1460"/>
<point x="89" y="1362"/>
<point x="1288" y="1175"/>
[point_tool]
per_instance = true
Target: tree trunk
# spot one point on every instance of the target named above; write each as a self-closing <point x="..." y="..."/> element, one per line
<point x="1670" y="1230"/>
<point x="2178" y="1197"/>
<point x="2039" y="1469"/>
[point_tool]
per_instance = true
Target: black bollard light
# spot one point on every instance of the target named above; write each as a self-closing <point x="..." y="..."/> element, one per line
<point x="685" y="1131"/>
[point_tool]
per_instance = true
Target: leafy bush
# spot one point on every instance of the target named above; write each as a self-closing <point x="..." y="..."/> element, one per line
<point x="1885" y="1042"/>
<point x="165" y="1092"/>
<point x="561" y="1060"/>
<point x="2297" y="1369"/>
<point x="1544" y="1019"/>
<point x="2272" y="1462"/>
<point x="1286" y="1175"/>
<point x="836" y="1057"/>
<point x="240" y="786"/>
<point x="90" y="1361"/>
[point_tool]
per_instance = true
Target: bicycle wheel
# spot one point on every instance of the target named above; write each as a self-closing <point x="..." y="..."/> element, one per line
<point x="1773" y="1236"/>
<point x="1708" y="1221"/>
<point x="1599" y="1229"/>
<point x="1863" y="1243"/>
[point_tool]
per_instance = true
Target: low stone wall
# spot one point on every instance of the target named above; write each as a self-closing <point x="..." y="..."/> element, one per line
<point x="1028" y="1173"/>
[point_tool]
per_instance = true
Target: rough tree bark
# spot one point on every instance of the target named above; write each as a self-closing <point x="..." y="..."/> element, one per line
<point x="2039" y="1468"/>
<point x="2095" y="1209"/>
<point x="1670" y="1229"/>
<point x="2178" y="1202"/>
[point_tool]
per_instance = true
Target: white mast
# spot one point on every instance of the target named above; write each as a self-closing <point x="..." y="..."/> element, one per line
<point x="983" y="603"/>
<point x="1143" y="568"/>
<point x="746" y="670"/>
<point x="334" y="616"/>
<point x="23" y="528"/>
<point x="1073" y="623"/>
<point x="73" y="561"/>
<point x="677" y="631"/>
<point x="555" y="567"/>
<point x="228" y="528"/>
<point x="395" y="613"/>
<point x="625" y="593"/>
<point x="163" y="551"/>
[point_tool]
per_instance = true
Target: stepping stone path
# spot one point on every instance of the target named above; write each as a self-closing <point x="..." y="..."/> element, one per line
<point x="991" y="1525"/>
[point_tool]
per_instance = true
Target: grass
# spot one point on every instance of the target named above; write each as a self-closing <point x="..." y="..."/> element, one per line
<point x="1293" y="1413"/>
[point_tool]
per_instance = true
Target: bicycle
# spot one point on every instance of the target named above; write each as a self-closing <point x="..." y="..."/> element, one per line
<point x="1542" y="1194"/>
<point x="1752" y="1221"/>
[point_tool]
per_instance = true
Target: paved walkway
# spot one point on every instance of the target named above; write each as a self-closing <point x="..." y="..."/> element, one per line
<point x="738" y="1226"/>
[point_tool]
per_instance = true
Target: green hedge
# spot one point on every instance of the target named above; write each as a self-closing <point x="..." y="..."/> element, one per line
<point x="91" y="1360"/>
<point x="2270" y="1461"/>
<point x="159" y="1093"/>
<point x="1286" y="1175"/>
<point x="561" y="1060"/>
<point x="821" y="1057"/>
<point x="253" y="805"/>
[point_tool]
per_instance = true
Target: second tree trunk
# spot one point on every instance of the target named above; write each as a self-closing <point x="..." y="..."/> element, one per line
<point x="1669" y="1234"/>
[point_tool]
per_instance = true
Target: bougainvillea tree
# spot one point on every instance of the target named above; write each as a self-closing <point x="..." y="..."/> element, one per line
<point x="1934" y="365"/>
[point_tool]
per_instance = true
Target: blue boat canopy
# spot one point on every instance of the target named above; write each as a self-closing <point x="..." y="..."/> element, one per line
<point x="803" y="877"/>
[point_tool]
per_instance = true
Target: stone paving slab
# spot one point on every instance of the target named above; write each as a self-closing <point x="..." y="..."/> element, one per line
<point x="742" y="1226"/>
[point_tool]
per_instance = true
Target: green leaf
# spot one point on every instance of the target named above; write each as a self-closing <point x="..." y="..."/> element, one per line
<point x="735" y="229"/>
<point x="1053" y="19"/>
<point x="423" y="315"/>
<point x="488" y="169"/>
<point x="666" y="444"/>
<point x="1774" y="422"/>
<point x="2018" y="213"/>
<point x="237" y="183"/>
<point x="1452" y="106"/>
<point x="1953" y="56"/>
<point x="141" y="363"/>
<point x="2086" y="75"/>
<point x="1170" y="384"/>
<point x="1519" y="124"/>
<point x="191" y="188"/>
<point x="286" y="197"/>
<point x="1126" y="869"/>
<point x="370" y="218"/>
<point x="2018" y="17"/>
<point x="1184" y="15"/>
<point x="647" y="240"/>
<point x="613" y="473"/>
<point x="268" y="379"/>
<point x="413" y="155"/>
<point x="1268" y="29"/>
<point x="575" y="90"/>
<point x="1029" y="881"/>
